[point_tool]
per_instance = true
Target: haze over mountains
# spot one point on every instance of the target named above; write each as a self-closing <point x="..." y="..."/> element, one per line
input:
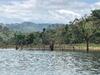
<point x="29" y="26"/>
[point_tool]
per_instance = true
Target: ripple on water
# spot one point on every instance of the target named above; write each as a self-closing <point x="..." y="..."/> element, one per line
<point x="48" y="63"/>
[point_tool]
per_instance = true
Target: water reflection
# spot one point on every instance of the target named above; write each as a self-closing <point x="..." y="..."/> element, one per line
<point x="48" y="63"/>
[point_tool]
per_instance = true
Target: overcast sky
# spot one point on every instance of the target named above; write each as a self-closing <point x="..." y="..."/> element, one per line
<point x="45" y="11"/>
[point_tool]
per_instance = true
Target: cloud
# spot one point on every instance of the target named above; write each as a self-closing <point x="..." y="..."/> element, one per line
<point x="96" y="5"/>
<point x="61" y="11"/>
<point x="63" y="15"/>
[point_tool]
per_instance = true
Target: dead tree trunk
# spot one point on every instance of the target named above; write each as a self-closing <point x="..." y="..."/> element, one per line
<point x="87" y="45"/>
<point x="52" y="46"/>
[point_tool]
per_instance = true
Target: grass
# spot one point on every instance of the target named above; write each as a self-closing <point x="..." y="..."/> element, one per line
<point x="82" y="46"/>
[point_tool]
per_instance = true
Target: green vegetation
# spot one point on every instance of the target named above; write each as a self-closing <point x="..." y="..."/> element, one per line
<point x="76" y="33"/>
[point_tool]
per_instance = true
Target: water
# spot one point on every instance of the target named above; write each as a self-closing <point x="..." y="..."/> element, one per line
<point x="48" y="63"/>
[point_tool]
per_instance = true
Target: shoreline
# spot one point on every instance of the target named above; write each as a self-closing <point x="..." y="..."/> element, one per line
<point x="56" y="49"/>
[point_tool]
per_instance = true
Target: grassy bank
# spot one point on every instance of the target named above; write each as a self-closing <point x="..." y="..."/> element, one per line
<point x="92" y="47"/>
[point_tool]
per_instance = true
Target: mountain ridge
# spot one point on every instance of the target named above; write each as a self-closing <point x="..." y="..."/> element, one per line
<point x="30" y="26"/>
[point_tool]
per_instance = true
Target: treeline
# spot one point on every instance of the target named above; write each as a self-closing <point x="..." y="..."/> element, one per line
<point x="5" y="35"/>
<point x="83" y="30"/>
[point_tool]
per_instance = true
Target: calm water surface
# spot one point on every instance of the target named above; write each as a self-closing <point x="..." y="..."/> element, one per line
<point x="48" y="63"/>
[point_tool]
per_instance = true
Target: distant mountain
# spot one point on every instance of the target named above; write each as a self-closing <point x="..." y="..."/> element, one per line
<point x="30" y="26"/>
<point x="27" y="26"/>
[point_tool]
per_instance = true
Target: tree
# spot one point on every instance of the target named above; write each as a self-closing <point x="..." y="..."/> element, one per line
<point x="30" y="39"/>
<point x="96" y="13"/>
<point x="19" y="40"/>
<point x="43" y="36"/>
<point x="87" y="28"/>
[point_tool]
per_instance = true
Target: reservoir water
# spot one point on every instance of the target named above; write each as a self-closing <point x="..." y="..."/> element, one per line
<point x="24" y="62"/>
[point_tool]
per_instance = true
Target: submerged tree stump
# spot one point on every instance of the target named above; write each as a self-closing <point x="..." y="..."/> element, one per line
<point x="16" y="47"/>
<point x="52" y="46"/>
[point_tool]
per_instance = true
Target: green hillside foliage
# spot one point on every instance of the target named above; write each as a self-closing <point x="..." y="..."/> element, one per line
<point x="83" y="30"/>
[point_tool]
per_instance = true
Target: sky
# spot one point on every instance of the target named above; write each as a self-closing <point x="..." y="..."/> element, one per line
<point x="45" y="11"/>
